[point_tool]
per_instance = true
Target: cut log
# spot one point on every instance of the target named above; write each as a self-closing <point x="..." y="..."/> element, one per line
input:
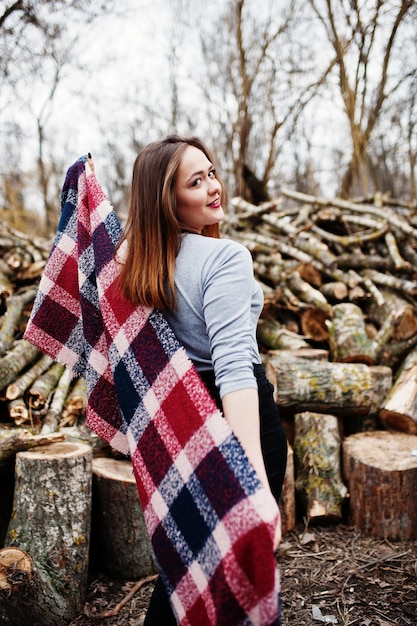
<point x="23" y="354"/>
<point x="348" y="337"/>
<point x="308" y="294"/>
<point x="312" y="354"/>
<point x="15" y="306"/>
<point x="319" y="485"/>
<point x="380" y="212"/>
<point x="24" y="598"/>
<point x="287" y="500"/>
<point x="122" y="541"/>
<point x="334" y="291"/>
<point x="306" y="242"/>
<point x="380" y="468"/>
<point x="18" y="387"/>
<point x="51" y="522"/>
<point x="273" y="336"/>
<point x="32" y="272"/>
<point x="311" y="275"/>
<point x="399" y="410"/>
<point x="56" y="406"/>
<point x="405" y="313"/>
<point x="401" y="285"/>
<point x="39" y="392"/>
<point x="19" y="440"/>
<point x="359" y="261"/>
<point x="399" y="262"/>
<point x="19" y="413"/>
<point x="6" y="286"/>
<point x="75" y="403"/>
<point x="313" y="324"/>
<point x="336" y="388"/>
<point x="13" y="560"/>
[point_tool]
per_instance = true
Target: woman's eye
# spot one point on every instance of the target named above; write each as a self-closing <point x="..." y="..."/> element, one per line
<point x="196" y="182"/>
<point x="212" y="174"/>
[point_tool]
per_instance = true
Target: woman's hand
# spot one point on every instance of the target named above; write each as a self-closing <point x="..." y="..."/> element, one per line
<point x="278" y="532"/>
<point x="90" y="161"/>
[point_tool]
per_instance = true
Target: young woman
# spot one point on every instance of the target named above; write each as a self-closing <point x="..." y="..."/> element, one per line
<point x="205" y="285"/>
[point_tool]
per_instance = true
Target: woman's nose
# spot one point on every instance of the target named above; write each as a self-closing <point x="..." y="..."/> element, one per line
<point x="214" y="186"/>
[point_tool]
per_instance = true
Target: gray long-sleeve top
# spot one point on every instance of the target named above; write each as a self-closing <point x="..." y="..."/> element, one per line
<point x="218" y="307"/>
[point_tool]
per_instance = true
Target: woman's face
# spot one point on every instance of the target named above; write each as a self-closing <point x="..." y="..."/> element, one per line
<point x="198" y="191"/>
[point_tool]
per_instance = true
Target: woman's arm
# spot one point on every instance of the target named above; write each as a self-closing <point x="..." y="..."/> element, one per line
<point x="241" y="410"/>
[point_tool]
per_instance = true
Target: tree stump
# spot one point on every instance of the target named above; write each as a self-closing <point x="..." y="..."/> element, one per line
<point x="381" y="470"/>
<point x="318" y="483"/>
<point x="6" y="498"/>
<point x="121" y="539"/>
<point x="50" y="526"/>
<point x="25" y="599"/>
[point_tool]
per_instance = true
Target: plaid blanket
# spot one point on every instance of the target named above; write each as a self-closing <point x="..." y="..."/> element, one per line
<point x="210" y="521"/>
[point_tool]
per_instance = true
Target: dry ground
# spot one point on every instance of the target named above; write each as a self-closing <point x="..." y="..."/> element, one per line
<point x="330" y="575"/>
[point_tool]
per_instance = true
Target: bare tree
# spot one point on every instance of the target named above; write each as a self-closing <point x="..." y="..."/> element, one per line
<point x="243" y="74"/>
<point x="261" y="74"/>
<point x="36" y="43"/>
<point x="363" y="37"/>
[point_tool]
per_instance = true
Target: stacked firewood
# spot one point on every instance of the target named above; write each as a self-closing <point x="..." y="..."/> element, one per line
<point x="340" y="284"/>
<point x="339" y="337"/>
<point x="38" y="397"/>
<point x="338" y="332"/>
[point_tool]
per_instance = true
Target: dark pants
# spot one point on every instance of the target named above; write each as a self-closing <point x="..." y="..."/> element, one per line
<point x="274" y="451"/>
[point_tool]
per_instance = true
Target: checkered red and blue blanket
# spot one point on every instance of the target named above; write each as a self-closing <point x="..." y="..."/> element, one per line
<point x="210" y="521"/>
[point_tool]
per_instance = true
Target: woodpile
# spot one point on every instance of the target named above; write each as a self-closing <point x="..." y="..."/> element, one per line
<point x="338" y="336"/>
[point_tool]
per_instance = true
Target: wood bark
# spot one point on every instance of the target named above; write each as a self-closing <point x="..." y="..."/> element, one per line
<point x="380" y="468"/>
<point x="56" y="406"/>
<point x="286" y="503"/>
<point x="19" y="440"/>
<point x="348" y="337"/>
<point x="319" y="485"/>
<point x="74" y="407"/>
<point x="51" y="522"/>
<point x="41" y="389"/>
<point x="313" y="324"/>
<point x="15" y="306"/>
<point x="312" y="354"/>
<point x="19" y="413"/>
<point x="22" y="355"/>
<point x="334" y="291"/>
<point x="24" y="598"/>
<point x="18" y="386"/>
<point x="6" y="497"/>
<point x="399" y="410"/>
<point x="308" y="294"/>
<point x="272" y="336"/>
<point x="340" y="388"/>
<point x="402" y="285"/>
<point x="122" y="542"/>
<point x="405" y="312"/>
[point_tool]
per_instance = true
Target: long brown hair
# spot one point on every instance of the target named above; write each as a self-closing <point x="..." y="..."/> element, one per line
<point x="153" y="232"/>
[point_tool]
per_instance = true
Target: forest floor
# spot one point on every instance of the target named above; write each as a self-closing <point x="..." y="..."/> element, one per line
<point x="330" y="575"/>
